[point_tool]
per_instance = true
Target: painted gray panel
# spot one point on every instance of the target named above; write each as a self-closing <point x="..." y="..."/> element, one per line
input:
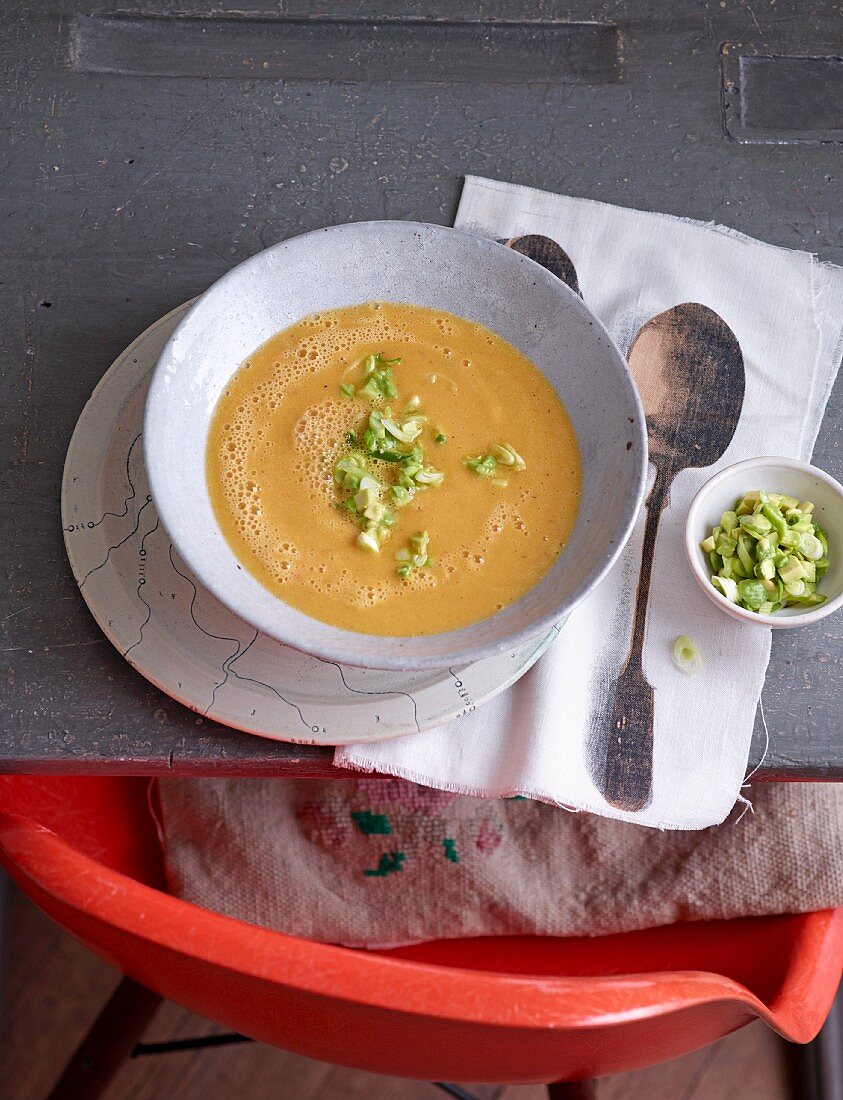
<point x="449" y="51"/>
<point x="792" y="93"/>
<point x="782" y="93"/>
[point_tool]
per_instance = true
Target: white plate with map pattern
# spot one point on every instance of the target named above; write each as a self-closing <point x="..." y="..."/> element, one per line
<point x="182" y="639"/>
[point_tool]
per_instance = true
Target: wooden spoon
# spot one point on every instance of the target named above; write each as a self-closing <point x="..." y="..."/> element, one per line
<point x="689" y="371"/>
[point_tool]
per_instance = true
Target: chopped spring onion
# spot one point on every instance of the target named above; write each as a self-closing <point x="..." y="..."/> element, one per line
<point x="349" y="472"/>
<point x="383" y="431"/>
<point x="728" y="586"/>
<point x="407" y="431"/>
<point x="429" y="477"/>
<point x="386" y="456"/>
<point x="508" y="456"/>
<point x="768" y="553"/>
<point x="811" y="546"/>
<point x="379" y="384"/>
<point x="419" y="545"/>
<point x="414" y="474"/>
<point x="416" y="556"/>
<point x="383" y="437"/>
<point x="484" y="465"/>
<point x="686" y="656"/>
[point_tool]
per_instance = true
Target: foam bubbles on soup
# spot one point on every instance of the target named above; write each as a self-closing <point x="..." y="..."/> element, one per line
<point x="281" y="424"/>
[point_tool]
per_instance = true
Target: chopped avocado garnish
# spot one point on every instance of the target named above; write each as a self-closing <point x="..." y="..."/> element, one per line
<point x="756" y="524"/>
<point x="768" y="553"/>
<point x="751" y="594"/>
<point x="366" y="540"/>
<point x="791" y="571"/>
<point x="365" y="498"/>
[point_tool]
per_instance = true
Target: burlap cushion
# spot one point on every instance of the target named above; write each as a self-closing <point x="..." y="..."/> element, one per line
<point x="382" y="862"/>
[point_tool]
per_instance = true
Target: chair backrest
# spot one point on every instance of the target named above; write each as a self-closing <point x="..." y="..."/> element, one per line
<point x="498" y="1009"/>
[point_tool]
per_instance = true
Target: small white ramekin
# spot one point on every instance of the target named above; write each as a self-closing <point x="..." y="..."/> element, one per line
<point x="773" y="475"/>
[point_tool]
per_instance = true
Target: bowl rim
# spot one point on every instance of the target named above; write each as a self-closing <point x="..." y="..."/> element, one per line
<point x="341" y="646"/>
<point x="801" y="618"/>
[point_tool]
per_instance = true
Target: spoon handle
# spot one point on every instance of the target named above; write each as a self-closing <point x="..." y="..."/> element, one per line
<point x="628" y="774"/>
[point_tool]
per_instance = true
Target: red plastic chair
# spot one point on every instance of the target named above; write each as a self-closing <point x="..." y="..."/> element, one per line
<point x="520" y="1009"/>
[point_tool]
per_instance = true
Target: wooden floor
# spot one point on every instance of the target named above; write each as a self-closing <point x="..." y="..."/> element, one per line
<point x="54" y="988"/>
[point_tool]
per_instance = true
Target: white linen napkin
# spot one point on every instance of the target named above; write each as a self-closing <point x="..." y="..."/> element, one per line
<point x="786" y="309"/>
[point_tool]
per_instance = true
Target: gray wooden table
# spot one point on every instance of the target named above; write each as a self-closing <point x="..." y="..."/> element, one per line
<point x="144" y="157"/>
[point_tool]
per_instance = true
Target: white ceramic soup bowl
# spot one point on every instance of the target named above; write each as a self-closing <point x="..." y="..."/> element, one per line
<point x="426" y="265"/>
<point x="773" y="475"/>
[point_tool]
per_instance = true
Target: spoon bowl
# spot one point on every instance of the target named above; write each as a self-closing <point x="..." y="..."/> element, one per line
<point x="689" y="371"/>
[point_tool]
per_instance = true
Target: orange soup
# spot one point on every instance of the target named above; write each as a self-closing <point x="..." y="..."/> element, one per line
<point x="393" y="469"/>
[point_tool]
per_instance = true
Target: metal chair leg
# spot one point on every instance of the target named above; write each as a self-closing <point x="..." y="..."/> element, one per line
<point x="108" y="1044"/>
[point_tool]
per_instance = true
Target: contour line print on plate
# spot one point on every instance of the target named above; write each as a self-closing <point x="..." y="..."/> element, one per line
<point x="180" y="637"/>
